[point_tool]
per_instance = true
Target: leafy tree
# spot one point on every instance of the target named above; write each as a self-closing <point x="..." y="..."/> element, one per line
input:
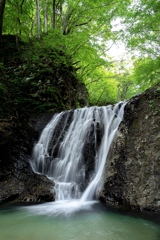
<point x="146" y="72"/>
<point x="140" y="26"/>
<point x="102" y="87"/>
<point x="140" y="30"/>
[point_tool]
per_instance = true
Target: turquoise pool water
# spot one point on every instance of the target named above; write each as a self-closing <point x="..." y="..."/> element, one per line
<point x="39" y="222"/>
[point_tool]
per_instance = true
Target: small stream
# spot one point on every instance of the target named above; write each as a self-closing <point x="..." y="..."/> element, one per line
<point x="92" y="222"/>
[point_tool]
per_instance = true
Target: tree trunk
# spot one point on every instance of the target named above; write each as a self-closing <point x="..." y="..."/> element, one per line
<point x="38" y="18"/>
<point x="46" y="18"/>
<point x="53" y="14"/>
<point x="20" y="11"/>
<point x="65" y="20"/>
<point x="2" y="6"/>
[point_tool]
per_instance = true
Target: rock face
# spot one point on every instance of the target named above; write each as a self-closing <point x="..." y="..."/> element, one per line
<point x="17" y="180"/>
<point x="132" y="173"/>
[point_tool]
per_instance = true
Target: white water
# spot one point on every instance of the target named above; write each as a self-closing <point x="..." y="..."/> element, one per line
<point x="67" y="169"/>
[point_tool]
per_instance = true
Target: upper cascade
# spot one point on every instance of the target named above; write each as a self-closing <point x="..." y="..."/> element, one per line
<point x="73" y="149"/>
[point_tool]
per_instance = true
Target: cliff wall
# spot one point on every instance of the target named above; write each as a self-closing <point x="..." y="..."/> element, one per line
<point x="132" y="173"/>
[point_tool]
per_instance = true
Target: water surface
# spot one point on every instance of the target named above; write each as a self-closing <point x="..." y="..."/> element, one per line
<point x="88" y="222"/>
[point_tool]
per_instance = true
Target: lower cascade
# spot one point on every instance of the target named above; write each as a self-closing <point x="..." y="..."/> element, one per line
<point x="73" y="148"/>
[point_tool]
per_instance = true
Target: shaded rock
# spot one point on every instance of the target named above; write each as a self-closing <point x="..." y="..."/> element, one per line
<point x="33" y="189"/>
<point x="132" y="173"/>
<point x="17" y="180"/>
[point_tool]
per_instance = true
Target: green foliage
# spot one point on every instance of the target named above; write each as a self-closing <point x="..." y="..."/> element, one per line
<point x="31" y="81"/>
<point x="3" y="91"/>
<point x="60" y="34"/>
<point x="102" y="88"/>
<point x="146" y="72"/>
<point x="77" y="30"/>
<point x="142" y="29"/>
<point x="3" y="100"/>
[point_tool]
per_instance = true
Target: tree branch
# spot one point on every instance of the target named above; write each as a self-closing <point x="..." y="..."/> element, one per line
<point x="84" y="23"/>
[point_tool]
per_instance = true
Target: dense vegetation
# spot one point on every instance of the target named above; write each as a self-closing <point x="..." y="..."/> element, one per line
<point x="76" y="36"/>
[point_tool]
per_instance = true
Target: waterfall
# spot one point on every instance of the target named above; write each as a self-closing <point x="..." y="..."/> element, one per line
<point x="60" y="153"/>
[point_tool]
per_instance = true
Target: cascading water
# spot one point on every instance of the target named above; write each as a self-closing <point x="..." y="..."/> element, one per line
<point x="60" y="155"/>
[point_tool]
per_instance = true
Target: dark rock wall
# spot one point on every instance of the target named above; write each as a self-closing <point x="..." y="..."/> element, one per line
<point x="132" y="173"/>
<point x="17" y="180"/>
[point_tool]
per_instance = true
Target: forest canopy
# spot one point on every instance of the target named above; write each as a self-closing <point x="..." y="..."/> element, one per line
<point x="85" y="31"/>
